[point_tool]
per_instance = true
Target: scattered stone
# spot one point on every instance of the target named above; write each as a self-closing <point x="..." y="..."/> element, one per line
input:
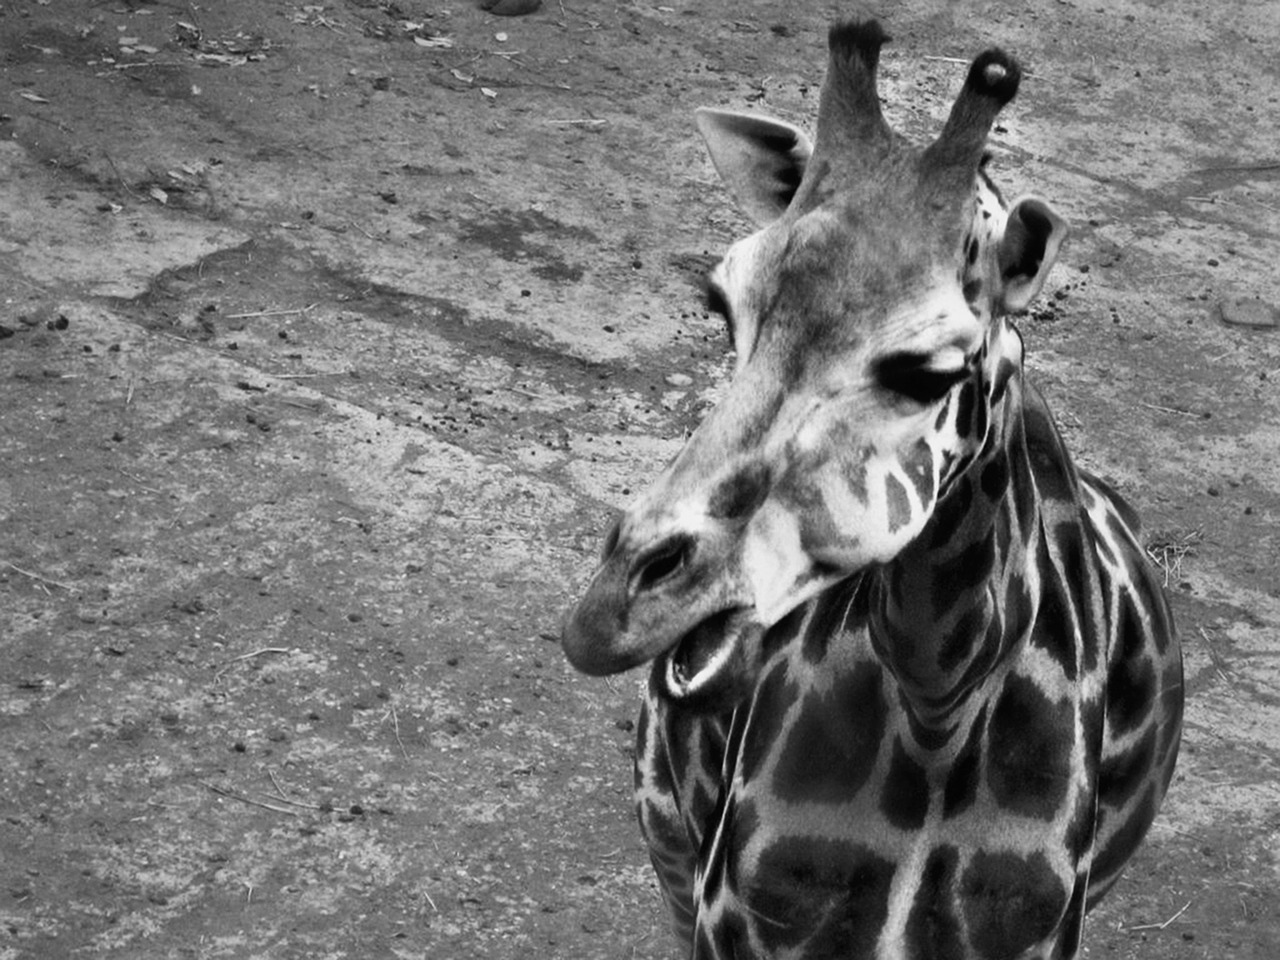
<point x="6" y="332"/>
<point x="1248" y="312"/>
<point x="678" y="380"/>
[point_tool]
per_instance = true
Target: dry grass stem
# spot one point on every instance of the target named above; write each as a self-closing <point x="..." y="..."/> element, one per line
<point x="1156" y="406"/>
<point x="231" y="794"/>
<point x="1168" y="548"/>
<point x="395" y="726"/>
<point x="1160" y="926"/>
<point x="248" y="656"/>
<point x="270" y="313"/>
<point x="35" y="576"/>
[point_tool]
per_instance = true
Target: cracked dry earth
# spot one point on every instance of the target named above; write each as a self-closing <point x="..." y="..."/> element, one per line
<point x="331" y="335"/>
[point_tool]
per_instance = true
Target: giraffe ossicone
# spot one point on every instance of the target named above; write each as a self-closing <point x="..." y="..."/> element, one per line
<point x="915" y="691"/>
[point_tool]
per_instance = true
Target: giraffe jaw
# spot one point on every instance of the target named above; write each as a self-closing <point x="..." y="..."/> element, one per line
<point x="710" y="657"/>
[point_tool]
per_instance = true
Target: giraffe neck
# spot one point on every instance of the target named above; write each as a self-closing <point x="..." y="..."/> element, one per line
<point x="947" y="610"/>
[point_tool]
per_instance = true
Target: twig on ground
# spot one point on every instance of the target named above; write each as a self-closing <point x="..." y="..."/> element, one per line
<point x="36" y="576"/>
<point x="271" y="313"/>
<point x="1168" y="548"/>
<point x="247" y="656"/>
<point x="1156" y="406"/>
<point x="395" y="725"/>
<point x="231" y="794"/>
<point x="1160" y="926"/>
<point x="286" y="799"/>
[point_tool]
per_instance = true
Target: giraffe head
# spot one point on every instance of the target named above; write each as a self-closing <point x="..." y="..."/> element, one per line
<point x="866" y="316"/>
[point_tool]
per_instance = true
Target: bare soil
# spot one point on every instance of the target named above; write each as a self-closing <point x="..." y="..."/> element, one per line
<point x="331" y="335"/>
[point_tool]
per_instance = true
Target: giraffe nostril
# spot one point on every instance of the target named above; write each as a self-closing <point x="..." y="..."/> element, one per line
<point x="660" y="563"/>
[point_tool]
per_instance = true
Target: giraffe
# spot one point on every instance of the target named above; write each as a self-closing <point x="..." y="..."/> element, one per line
<point x="915" y="689"/>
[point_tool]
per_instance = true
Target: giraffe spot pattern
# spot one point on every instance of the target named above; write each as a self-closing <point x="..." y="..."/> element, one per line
<point x="1082" y="825"/>
<point x="899" y="506"/>
<point x="967" y="569"/>
<point x="1126" y="838"/>
<point x="1077" y="576"/>
<point x="958" y="645"/>
<point x="928" y="737"/>
<point x="1131" y="685"/>
<point x="739" y="495"/>
<point x="1011" y="902"/>
<point x="1029" y="757"/>
<point x="1054" y="631"/>
<point x="1005" y="372"/>
<point x="739" y="830"/>
<point x="830" y="895"/>
<point x="962" y="782"/>
<point x="730" y="938"/>
<point x="966" y="411"/>
<point x="904" y="799"/>
<point x="1073" y="922"/>
<point x="829" y="615"/>
<point x="918" y="465"/>
<point x="832" y="746"/>
<point x="933" y="929"/>
<point x="775" y="691"/>
<point x="951" y="512"/>
<point x="995" y="477"/>
<point x="1122" y="776"/>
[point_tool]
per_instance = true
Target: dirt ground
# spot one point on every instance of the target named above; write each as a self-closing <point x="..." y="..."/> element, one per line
<point x="331" y="334"/>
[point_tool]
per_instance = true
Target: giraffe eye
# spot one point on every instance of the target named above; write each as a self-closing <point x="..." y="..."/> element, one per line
<point x="910" y="375"/>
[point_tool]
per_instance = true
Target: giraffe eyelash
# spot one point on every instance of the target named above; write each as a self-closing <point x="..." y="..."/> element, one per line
<point x="909" y="375"/>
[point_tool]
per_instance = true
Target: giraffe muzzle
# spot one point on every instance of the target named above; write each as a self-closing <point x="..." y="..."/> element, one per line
<point x="710" y="659"/>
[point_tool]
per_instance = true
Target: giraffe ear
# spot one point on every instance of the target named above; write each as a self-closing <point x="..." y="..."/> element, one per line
<point x="1028" y="249"/>
<point x="760" y="160"/>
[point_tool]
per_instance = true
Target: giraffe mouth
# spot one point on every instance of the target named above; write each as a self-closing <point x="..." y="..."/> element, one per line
<point x="708" y="656"/>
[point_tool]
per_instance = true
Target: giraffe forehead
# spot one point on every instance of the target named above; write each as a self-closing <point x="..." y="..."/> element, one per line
<point x="831" y="279"/>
